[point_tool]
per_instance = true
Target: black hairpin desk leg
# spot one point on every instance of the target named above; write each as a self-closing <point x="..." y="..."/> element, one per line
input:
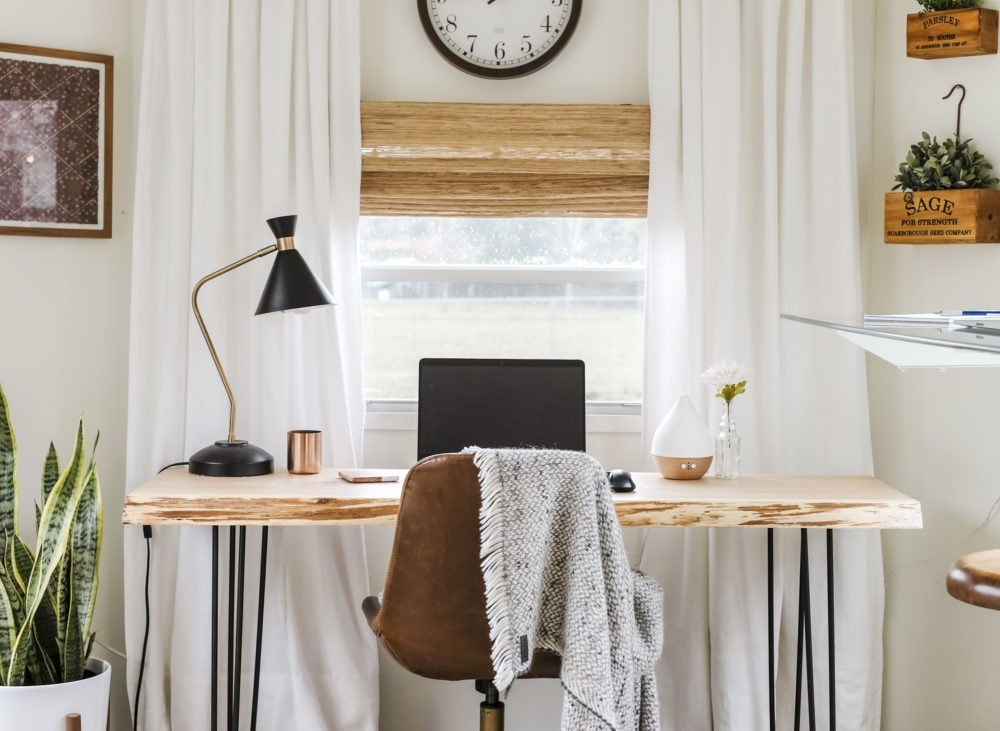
<point x="770" y="626"/>
<point x="804" y="638"/>
<point x="260" y="627"/>
<point x="215" y="627"/>
<point x="234" y="655"/>
<point x="237" y="658"/>
<point x="230" y="626"/>
<point x="830" y="634"/>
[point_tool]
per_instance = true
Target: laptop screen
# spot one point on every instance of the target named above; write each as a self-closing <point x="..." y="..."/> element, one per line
<point x="502" y="402"/>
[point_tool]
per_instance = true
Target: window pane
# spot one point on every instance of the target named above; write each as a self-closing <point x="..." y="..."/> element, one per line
<point x="597" y="319"/>
<point x="484" y="241"/>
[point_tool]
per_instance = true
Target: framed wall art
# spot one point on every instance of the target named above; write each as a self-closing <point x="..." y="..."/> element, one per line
<point x="55" y="142"/>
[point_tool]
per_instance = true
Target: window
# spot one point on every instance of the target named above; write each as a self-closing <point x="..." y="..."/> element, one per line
<point x="503" y="230"/>
<point x="500" y="287"/>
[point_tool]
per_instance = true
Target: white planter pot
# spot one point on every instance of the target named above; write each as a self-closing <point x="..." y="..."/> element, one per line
<point x="45" y="707"/>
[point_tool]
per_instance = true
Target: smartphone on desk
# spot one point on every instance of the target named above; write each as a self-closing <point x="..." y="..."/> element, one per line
<point x="368" y="476"/>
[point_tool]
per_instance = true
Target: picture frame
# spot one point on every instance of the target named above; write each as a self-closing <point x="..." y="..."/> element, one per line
<point x="55" y="142"/>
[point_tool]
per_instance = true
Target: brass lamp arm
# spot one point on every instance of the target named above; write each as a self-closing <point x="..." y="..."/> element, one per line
<point x="204" y="331"/>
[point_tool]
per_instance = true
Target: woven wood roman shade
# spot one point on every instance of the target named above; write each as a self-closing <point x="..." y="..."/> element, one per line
<point x="504" y="160"/>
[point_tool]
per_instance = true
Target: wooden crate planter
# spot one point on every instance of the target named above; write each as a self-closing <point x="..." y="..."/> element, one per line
<point x="948" y="33"/>
<point x="943" y="217"/>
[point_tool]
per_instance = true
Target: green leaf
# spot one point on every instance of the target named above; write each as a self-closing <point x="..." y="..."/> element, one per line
<point x="40" y="666"/>
<point x="10" y="608"/>
<point x="76" y="585"/>
<point x="22" y="561"/>
<point x="44" y="635"/>
<point x="50" y="473"/>
<point x="8" y="468"/>
<point x="54" y="534"/>
<point x="85" y="558"/>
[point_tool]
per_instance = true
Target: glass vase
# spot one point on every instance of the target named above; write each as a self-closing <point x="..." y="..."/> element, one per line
<point x="727" y="446"/>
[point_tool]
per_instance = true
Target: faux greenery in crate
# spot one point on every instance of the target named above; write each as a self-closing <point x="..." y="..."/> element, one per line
<point x="47" y="596"/>
<point x="933" y="6"/>
<point x="953" y="163"/>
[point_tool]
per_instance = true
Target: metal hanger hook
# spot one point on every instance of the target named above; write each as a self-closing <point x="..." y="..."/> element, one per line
<point x="958" y="119"/>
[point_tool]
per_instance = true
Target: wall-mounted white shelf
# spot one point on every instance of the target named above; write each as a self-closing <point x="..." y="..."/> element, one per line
<point x="913" y="346"/>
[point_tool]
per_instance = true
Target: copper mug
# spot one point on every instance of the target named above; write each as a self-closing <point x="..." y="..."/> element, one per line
<point x="305" y="451"/>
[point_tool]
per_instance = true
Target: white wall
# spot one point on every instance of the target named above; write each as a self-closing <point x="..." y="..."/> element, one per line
<point x="65" y="311"/>
<point x="935" y="432"/>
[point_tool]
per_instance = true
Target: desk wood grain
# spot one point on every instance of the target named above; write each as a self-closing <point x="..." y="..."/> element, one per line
<point x="792" y="501"/>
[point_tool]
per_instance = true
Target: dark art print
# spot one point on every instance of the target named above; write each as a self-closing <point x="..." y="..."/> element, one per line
<point x="55" y="142"/>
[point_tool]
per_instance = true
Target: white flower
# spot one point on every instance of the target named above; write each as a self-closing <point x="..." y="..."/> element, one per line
<point x="728" y="377"/>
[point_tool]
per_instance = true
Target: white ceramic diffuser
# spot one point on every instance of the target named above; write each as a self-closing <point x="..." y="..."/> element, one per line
<point x="682" y="445"/>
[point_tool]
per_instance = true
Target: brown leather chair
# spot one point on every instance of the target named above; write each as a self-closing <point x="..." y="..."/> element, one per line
<point x="432" y="613"/>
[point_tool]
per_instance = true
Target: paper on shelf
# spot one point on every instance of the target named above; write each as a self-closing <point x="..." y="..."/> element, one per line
<point x="933" y="319"/>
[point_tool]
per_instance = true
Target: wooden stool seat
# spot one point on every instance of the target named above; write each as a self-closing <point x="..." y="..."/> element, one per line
<point x="975" y="579"/>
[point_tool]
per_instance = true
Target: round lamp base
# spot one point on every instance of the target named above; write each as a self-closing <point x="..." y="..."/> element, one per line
<point x="682" y="468"/>
<point x="231" y="459"/>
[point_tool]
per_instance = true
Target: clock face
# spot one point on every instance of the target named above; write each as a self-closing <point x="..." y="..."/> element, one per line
<point x="499" y="38"/>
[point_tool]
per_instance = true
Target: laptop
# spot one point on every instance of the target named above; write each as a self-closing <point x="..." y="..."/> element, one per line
<point x="500" y="402"/>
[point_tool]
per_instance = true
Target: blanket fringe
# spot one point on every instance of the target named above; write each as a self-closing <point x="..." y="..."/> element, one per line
<point x="491" y="516"/>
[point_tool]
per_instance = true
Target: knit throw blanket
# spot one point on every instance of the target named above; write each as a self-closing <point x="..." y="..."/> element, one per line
<point x="557" y="578"/>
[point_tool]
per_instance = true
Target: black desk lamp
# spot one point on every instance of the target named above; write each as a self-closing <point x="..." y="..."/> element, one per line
<point x="290" y="286"/>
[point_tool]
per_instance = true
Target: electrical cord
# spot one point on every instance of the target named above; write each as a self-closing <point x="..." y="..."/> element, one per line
<point x="147" y="533"/>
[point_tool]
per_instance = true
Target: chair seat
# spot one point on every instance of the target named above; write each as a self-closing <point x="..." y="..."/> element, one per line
<point x="444" y="664"/>
<point x="975" y="579"/>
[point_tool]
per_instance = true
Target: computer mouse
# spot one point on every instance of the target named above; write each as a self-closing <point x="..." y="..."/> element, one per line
<point x="621" y="481"/>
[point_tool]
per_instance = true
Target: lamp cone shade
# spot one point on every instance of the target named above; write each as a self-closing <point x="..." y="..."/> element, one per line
<point x="682" y="446"/>
<point x="291" y="285"/>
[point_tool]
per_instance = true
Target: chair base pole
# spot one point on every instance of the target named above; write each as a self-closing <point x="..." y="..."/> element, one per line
<point x="491" y="709"/>
<point x="490" y="716"/>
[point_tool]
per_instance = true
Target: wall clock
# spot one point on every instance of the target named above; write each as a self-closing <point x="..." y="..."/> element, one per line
<point x="499" y="38"/>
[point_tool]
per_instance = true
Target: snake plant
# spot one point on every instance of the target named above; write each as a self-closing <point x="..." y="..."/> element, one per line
<point x="47" y="596"/>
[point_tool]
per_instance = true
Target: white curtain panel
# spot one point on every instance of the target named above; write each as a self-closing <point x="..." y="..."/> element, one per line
<point x="753" y="211"/>
<point x="249" y="110"/>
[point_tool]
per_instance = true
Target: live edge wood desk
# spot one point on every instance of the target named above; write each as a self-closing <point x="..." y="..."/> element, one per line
<point x="175" y="497"/>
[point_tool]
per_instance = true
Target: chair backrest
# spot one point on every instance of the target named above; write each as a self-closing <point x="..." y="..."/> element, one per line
<point x="432" y="616"/>
<point x="433" y="613"/>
